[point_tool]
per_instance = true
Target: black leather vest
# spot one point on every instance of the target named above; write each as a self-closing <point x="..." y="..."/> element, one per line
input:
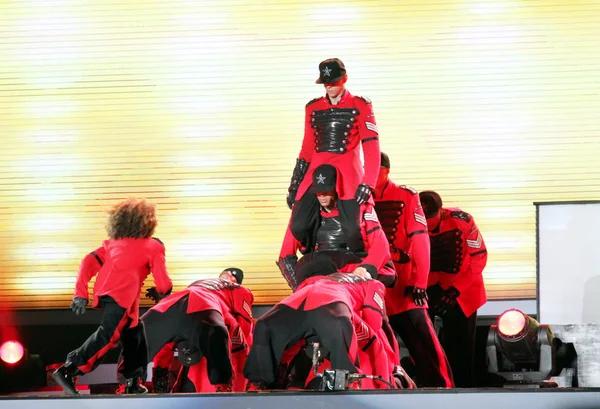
<point x="446" y="252"/>
<point x="330" y="235"/>
<point x="332" y="127"/>
<point x="389" y="213"/>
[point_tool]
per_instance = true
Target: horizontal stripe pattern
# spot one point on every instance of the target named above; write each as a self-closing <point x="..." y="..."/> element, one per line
<point x="199" y="107"/>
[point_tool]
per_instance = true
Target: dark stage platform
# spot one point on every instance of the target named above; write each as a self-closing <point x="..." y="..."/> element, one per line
<point x="409" y="399"/>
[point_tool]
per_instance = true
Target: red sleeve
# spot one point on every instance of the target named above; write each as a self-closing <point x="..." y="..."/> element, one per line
<point x="159" y="268"/>
<point x="239" y="355"/>
<point x="244" y="316"/>
<point x="414" y="221"/>
<point x="478" y="257"/>
<point x="369" y="137"/>
<point x="391" y="338"/>
<point x="376" y="244"/>
<point x="308" y="143"/>
<point x="420" y="256"/>
<point x="290" y="245"/>
<point x="416" y="228"/>
<point x="164" y="357"/>
<point x="89" y="267"/>
<point x="242" y="338"/>
<point x="373" y="308"/>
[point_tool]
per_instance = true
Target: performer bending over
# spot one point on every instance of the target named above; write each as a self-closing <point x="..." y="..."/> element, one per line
<point x="122" y="264"/>
<point x="324" y="309"/>
<point x="211" y="324"/>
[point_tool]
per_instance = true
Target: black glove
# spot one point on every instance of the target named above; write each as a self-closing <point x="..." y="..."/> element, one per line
<point x="287" y="267"/>
<point x="290" y="198"/>
<point x="399" y="256"/>
<point x="297" y="176"/>
<point x="153" y="294"/>
<point x="363" y="192"/>
<point x="78" y="305"/>
<point x="447" y="301"/>
<point x="419" y="295"/>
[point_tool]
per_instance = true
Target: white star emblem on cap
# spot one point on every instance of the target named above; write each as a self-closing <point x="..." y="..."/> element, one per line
<point x="321" y="179"/>
<point x="326" y="71"/>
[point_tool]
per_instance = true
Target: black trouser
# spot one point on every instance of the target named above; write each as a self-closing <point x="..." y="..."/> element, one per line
<point x="458" y="340"/>
<point x="282" y="327"/>
<point x="204" y="330"/>
<point x="113" y="329"/>
<point x="416" y="330"/>
<point x="305" y="221"/>
<point x="184" y="383"/>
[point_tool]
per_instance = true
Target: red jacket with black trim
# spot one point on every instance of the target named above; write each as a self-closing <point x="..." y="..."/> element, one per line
<point x="376" y="245"/>
<point x="361" y="295"/>
<point x="401" y="216"/>
<point x="122" y="265"/>
<point x="234" y="302"/>
<point x="363" y="131"/>
<point x="458" y="257"/>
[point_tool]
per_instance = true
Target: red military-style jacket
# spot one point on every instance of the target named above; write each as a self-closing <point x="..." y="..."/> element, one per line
<point x="365" y="300"/>
<point x="234" y="302"/>
<point x="376" y="245"/>
<point x="332" y="135"/>
<point x="458" y="257"/>
<point x="365" y="297"/>
<point x="213" y="294"/>
<point x="401" y="216"/>
<point x="122" y="266"/>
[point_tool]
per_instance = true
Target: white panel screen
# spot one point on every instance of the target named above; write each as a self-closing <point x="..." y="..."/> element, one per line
<point x="569" y="263"/>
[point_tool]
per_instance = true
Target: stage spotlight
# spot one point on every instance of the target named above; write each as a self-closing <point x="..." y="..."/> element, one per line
<point x="522" y="351"/>
<point x="19" y="370"/>
<point x="11" y="352"/>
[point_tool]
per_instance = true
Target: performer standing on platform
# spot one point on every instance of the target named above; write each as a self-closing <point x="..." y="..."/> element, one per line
<point x="330" y="235"/>
<point x="211" y="323"/>
<point x="455" y="286"/>
<point x="399" y="210"/>
<point x="122" y="264"/>
<point x="335" y="127"/>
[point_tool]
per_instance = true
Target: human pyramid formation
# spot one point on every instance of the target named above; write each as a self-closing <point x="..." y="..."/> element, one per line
<point x="378" y="259"/>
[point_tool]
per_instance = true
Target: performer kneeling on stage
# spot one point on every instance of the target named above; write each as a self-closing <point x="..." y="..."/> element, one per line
<point x="211" y="323"/>
<point x="122" y="263"/>
<point x="330" y="234"/>
<point x="323" y="309"/>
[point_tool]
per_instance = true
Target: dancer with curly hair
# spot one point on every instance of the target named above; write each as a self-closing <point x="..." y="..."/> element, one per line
<point x="121" y="264"/>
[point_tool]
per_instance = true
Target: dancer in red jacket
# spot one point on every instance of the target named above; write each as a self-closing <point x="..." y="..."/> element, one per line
<point x="210" y="323"/>
<point x="336" y="126"/>
<point x="324" y="309"/>
<point x="401" y="215"/>
<point x="121" y="264"/>
<point x="330" y="234"/>
<point x="455" y="285"/>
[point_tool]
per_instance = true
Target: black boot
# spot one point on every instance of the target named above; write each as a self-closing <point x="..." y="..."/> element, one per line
<point x="135" y="386"/>
<point x="160" y="380"/>
<point x="63" y="376"/>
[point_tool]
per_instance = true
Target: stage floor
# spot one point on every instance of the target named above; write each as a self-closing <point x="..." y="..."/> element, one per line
<point x="588" y="398"/>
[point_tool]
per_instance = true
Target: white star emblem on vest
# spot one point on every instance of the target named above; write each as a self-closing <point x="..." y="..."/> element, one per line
<point x="321" y="179"/>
